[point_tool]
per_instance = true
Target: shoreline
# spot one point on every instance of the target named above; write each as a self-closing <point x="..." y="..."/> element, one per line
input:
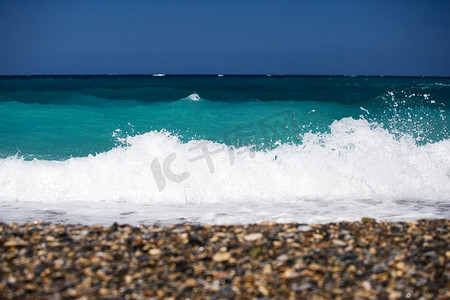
<point x="367" y="259"/>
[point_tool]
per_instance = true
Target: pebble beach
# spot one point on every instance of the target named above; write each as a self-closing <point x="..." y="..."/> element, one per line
<point x="368" y="259"/>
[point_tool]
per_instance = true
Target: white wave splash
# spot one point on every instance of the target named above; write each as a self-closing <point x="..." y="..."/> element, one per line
<point x="194" y="97"/>
<point x="356" y="164"/>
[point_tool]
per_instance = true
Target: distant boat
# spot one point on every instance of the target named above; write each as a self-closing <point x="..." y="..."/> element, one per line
<point x="159" y="75"/>
<point x="220" y="75"/>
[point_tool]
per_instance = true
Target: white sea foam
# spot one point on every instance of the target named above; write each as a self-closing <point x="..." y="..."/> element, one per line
<point x="194" y="97"/>
<point x="358" y="169"/>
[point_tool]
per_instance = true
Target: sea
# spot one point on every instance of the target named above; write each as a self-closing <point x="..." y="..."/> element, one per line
<point x="223" y="149"/>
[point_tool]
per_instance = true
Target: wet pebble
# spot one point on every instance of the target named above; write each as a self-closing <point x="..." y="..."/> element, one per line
<point x="364" y="260"/>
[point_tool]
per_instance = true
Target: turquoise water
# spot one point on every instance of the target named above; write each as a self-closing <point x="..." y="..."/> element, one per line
<point x="55" y="118"/>
<point x="223" y="149"/>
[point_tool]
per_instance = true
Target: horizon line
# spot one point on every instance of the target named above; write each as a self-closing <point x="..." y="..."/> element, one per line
<point x="218" y="75"/>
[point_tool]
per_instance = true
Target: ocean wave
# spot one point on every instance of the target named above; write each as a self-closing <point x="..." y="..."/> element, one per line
<point x="356" y="160"/>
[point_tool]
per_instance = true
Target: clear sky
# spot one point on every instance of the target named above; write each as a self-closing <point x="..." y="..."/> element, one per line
<point x="314" y="37"/>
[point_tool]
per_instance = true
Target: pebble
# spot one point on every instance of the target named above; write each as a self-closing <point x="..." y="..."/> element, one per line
<point x="253" y="237"/>
<point x="339" y="243"/>
<point x="15" y="242"/>
<point x="221" y="256"/>
<point x="347" y="260"/>
<point x="154" y="252"/>
<point x="304" y="228"/>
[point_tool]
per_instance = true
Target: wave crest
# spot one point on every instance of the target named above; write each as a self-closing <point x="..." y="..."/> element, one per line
<point x="357" y="160"/>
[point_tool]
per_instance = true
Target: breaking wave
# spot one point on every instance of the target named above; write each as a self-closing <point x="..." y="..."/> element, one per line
<point x="356" y="160"/>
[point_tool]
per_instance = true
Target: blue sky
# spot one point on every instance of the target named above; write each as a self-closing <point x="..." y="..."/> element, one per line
<point x="229" y="37"/>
